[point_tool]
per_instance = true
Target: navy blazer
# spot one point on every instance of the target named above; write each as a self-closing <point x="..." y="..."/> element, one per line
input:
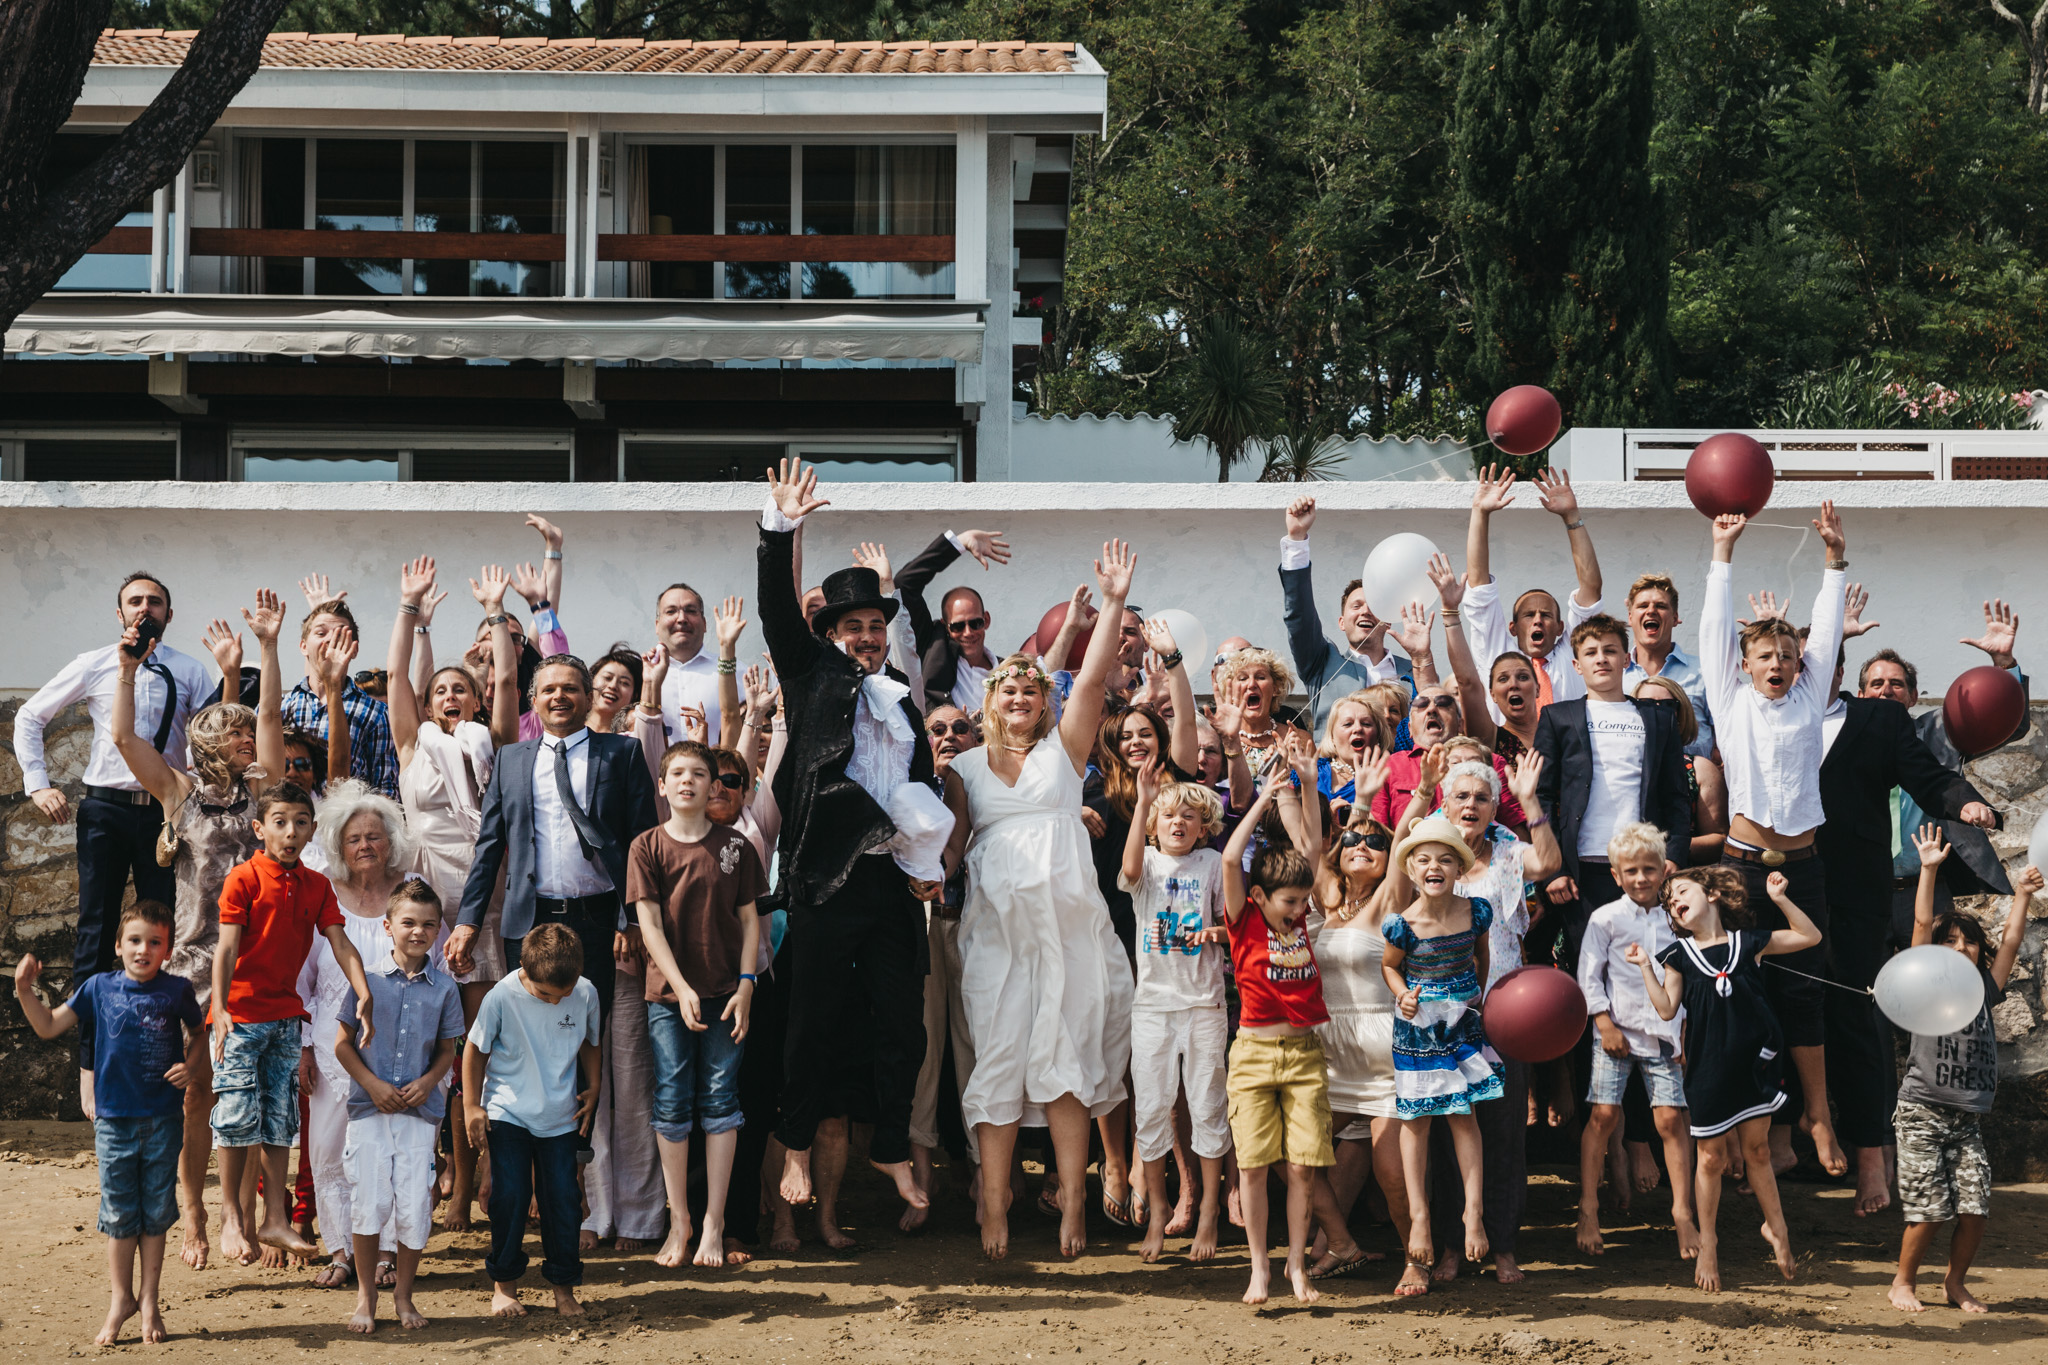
<point x="1566" y="786"/>
<point x="1328" y="674"/>
<point x="621" y="797"/>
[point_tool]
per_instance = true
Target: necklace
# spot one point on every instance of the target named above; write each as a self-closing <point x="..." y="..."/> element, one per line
<point x="1261" y="738"/>
<point x="1351" y="907"/>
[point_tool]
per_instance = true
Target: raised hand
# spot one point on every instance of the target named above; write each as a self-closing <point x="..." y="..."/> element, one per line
<point x="549" y="532"/>
<point x="732" y="623"/>
<point x="985" y="546"/>
<point x="329" y="662"/>
<point x="872" y="554"/>
<point x="1932" y="847"/>
<point x="490" y="593"/>
<point x="314" y="586"/>
<point x="1415" y="623"/>
<point x="1226" y="716"/>
<point x="1776" y="885"/>
<point x="2001" y="629"/>
<point x="1301" y="517"/>
<point x="416" y="580"/>
<point x="795" y="489"/>
<point x="1152" y="690"/>
<point x="653" y="671"/>
<point x="1450" y="586"/>
<point x="1634" y="955"/>
<point x="1150" y="778"/>
<point x="1854" y="600"/>
<point x="1554" y="491"/>
<point x="1436" y="761"/>
<point x="1728" y="528"/>
<point x="691" y="719"/>
<point x="1766" y="607"/>
<point x="760" y="696"/>
<point x="429" y="604"/>
<point x="1300" y="752"/>
<point x="1159" y="637"/>
<point x="1494" y="490"/>
<point x="1830" y="527"/>
<point x="1113" y="570"/>
<point x="1523" y="775"/>
<point x="2029" y="882"/>
<point x="224" y="642"/>
<point x="266" y="619"/>
<point x="1368" y="775"/>
<point x="527" y="583"/>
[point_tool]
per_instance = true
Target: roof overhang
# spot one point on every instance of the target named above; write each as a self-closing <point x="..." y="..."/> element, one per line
<point x="189" y="324"/>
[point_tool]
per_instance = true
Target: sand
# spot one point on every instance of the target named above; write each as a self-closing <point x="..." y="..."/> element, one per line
<point x="931" y="1297"/>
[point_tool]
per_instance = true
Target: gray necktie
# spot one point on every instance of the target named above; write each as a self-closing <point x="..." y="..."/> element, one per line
<point x="590" y="836"/>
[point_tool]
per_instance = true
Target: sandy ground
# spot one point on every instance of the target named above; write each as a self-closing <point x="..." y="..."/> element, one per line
<point x="932" y="1297"/>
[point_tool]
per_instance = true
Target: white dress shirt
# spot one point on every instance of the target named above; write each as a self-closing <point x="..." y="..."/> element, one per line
<point x="694" y="683"/>
<point x="1614" y="986"/>
<point x="970" y="691"/>
<point x="92" y="677"/>
<point x="1294" y="555"/>
<point x="1486" y="623"/>
<point x="561" y="872"/>
<point x="1771" y="751"/>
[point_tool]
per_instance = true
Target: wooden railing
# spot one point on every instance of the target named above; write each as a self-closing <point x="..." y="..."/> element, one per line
<point x="536" y="246"/>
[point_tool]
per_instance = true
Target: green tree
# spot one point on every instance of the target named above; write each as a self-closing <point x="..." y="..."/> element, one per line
<point x="1229" y="394"/>
<point x="1562" y="233"/>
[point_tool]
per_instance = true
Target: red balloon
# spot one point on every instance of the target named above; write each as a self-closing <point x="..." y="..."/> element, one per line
<point x="1729" y="473"/>
<point x="1523" y="420"/>
<point x="1983" y="709"/>
<point x="1535" y="1014"/>
<point x="1049" y="626"/>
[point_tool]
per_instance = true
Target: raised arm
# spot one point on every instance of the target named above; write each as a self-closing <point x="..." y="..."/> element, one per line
<point x="732" y="624"/>
<point x="2014" y="934"/>
<point x="1080" y="616"/>
<point x="1554" y="490"/>
<point x="1934" y="851"/>
<point x="916" y="576"/>
<point x="1305" y="639"/>
<point x="1416" y="620"/>
<point x="792" y="494"/>
<point x="1824" y="640"/>
<point x="329" y="671"/>
<point x="1543" y="857"/>
<point x="157" y="777"/>
<point x="1241" y="839"/>
<point x="266" y="621"/>
<point x="551" y="559"/>
<point x="1084" y="708"/>
<point x="490" y="595"/>
<point x="415" y="582"/>
<point x="1494" y="491"/>
<point x="1149" y="778"/>
<point x="1183" y="748"/>
<point x="1473" y="697"/>
<point x="1720" y="650"/>
<point x="1800" y="931"/>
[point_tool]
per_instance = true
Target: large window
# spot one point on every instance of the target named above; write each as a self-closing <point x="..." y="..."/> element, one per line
<point x="314" y="457"/>
<point x="86" y="458"/>
<point x="914" y="459"/>
<point x="98" y="270"/>
<point x="878" y="191"/>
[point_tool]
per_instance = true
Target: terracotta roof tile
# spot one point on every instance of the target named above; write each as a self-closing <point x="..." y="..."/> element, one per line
<point x="714" y="57"/>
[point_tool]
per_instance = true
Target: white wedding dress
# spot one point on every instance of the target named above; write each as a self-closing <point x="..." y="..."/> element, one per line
<point x="1046" y="985"/>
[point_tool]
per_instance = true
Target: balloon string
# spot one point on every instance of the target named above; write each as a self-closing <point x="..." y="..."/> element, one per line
<point x="1791" y="573"/>
<point x="1840" y="986"/>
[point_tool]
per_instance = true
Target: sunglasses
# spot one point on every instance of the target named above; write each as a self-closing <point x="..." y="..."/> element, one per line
<point x="1436" y="704"/>
<point x="732" y="780"/>
<point x="298" y="765"/>
<point x="962" y="627"/>
<point x="959" y="727"/>
<point x="1377" y="842"/>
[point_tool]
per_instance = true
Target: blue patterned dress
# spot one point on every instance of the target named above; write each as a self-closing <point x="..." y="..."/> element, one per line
<point x="1442" y="1064"/>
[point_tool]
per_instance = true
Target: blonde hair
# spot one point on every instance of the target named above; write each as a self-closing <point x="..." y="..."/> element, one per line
<point x="1637" y="839"/>
<point x="1389" y="701"/>
<point x="344" y="802"/>
<point x="994" y="726"/>
<point x="1247" y="659"/>
<point x="1383" y="735"/>
<point x="1195" y="797"/>
<point x="207" y="732"/>
<point x="1688" y="719"/>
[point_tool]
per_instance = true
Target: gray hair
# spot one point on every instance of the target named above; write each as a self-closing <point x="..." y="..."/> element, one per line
<point x="1472" y="767"/>
<point x="344" y="802"/>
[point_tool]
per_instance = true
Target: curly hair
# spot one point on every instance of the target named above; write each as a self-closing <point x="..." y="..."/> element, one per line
<point x="345" y="801"/>
<point x="1724" y="888"/>
<point x="208" y="733"/>
<point x="1247" y="659"/>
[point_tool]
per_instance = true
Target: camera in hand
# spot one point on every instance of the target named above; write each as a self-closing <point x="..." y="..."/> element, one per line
<point x="147" y="629"/>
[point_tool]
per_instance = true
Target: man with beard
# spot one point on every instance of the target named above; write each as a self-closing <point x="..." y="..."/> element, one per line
<point x="857" y="849"/>
<point x="1535" y="627"/>
<point x="1330" y="672"/>
<point x="1654" y="652"/>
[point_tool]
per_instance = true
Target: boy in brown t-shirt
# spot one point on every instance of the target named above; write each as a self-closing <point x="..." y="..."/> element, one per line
<point x="695" y="886"/>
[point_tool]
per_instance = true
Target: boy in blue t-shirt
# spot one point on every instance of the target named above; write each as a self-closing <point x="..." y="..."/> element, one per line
<point x="147" y="1032"/>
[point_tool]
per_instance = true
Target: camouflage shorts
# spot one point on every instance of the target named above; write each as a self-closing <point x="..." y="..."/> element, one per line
<point x="1943" y="1168"/>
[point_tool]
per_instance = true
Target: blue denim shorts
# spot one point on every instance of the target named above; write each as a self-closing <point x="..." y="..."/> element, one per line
<point x="138" y="1160"/>
<point x="696" y="1075"/>
<point x="1663" y="1077"/>
<point x="256" y="1086"/>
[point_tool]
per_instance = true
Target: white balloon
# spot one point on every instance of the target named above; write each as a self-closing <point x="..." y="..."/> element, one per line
<point x="1397" y="573"/>
<point x="2037" y="845"/>
<point x="1930" y="990"/>
<point x="1193" y="642"/>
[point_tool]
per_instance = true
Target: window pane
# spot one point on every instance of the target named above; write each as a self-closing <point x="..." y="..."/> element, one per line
<point x="281" y="203"/>
<point x="679" y="186"/>
<point x="359" y="186"/>
<point x="699" y="461"/>
<point x="81" y="460"/>
<point x="319" y="466"/>
<point x="883" y="466"/>
<point x="519" y="187"/>
<point x="757" y="204"/>
<point x="70" y="153"/>
<point x="442" y="201"/>
<point x="878" y="191"/>
<point x="492" y="466"/>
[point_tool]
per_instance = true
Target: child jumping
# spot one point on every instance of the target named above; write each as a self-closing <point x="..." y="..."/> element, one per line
<point x="1734" y="1067"/>
<point x="270" y="908"/>
<point x="529" y="1091"/>
<point x="1180" y="1034"/>
<point x="140" y="1058"/>
<point x="397" y="1102"/>
<point x="1944" y="1172"/>
<point x="1633" y="1037"/>
<point x="696" y="887"/>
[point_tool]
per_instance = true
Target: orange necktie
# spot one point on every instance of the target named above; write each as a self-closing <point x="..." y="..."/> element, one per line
<point x="1543" y="693"/>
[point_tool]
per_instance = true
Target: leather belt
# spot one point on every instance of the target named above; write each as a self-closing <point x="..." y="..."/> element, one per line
<point x="120" y="796"/>
<point x="603" y="900"/>
<point x="1770" y="857"/>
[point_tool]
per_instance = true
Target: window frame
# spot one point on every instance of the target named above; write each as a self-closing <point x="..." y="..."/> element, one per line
<point x="14" y="443"/>
<point x="804" y="446"/>
<point x="403" y="441"/>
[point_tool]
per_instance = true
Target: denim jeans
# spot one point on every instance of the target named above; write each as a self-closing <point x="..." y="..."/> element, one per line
<point x="138" y="1161"/>
<point x="696" y="1075"/>
<point x="256" y="1086"/>
<point x="522" y="1167"/>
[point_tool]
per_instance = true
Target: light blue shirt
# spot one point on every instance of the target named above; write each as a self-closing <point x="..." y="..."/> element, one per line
<point x="1684" y="670"/>
<point x="530" y="1075"/>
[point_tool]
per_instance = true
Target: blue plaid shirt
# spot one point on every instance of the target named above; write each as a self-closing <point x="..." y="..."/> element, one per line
<point x="372" y="755"/>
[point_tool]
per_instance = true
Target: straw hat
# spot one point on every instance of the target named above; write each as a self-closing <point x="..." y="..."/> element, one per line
<point x="1435" y="830"/>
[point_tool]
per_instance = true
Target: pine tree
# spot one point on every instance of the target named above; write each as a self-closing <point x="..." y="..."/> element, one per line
<point x="1562" y="234"/>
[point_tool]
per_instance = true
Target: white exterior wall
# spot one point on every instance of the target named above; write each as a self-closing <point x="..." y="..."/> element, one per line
<point x="1928" y="553"/>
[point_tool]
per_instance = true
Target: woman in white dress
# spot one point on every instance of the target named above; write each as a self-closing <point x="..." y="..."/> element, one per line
<point x="1045" y="983"/>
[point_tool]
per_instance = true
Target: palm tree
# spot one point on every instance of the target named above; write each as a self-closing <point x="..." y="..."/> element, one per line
<point x="1232" y="397"/>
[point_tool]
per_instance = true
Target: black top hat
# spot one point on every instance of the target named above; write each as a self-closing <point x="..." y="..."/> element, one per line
<point x="852" y="590"/>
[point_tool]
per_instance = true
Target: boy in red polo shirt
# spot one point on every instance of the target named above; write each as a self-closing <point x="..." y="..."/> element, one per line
<point x="270" y="908"/>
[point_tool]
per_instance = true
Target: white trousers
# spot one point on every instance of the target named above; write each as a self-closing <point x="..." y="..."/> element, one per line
<point x="944" y="1016"/>
<point x="326" y="1145"/>
<point x="390" y="1165"/>
<point x="622" y="1184"/>
<point x="1172" y="1050"/>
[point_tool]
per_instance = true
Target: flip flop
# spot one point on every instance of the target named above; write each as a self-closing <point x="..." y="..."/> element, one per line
<point x="1342" y="1267"/>
<point x="1118" y="1211"/>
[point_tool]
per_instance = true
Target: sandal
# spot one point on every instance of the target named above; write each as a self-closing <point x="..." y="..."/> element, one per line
<point x="1413" y="1291"/>
<point x="1117" y="1211"/>
<point x="1344" y="1267"/>
<point x="347" y="1267"/>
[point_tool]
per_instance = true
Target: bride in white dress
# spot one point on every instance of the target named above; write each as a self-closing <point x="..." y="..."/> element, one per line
<point x="1046" y="985"/>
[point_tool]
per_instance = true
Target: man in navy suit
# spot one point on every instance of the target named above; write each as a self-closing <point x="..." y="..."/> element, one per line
<point x="563" y="809"/>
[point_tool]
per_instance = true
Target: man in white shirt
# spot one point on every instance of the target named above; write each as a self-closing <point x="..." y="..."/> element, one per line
<point x="1535" y="626"/>
<point x="117" y="821"/>
<point x="692" y="678"/>
<point x="1770" y="699"/>
<point x="954" y="648"/>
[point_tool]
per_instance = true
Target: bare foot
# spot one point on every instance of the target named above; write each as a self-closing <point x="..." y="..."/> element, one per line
<point x="628" y="1244"/>
<point x="1873" y="1191"/>
<point x="196" y="1248"/>
<point x="782" y="1238"/>
<point x="234" y="1245"/>
<point x="408" y="1316"/>
<point x="676" y="1249"/>
<point x="995" y="1229"/>
<point x="1182" y="1220"/>
<point x="1642" y="1166"/>
<point x="455" y="1218"/>
<point x="364" y="1319"/>
<point x="1589" y="1231"/>
<point x="275" y="1258"/>
<point x="153" y="1329"/>
<point x="1833" y="1159"/>
<point x="711" y="1246"/>
<point x="1297" y="1275"/>
<point x="1074" y="1221"/>
<point x="505" y="1302"/>
<point x="1960" y="1297"/>
<point x="1688" y="1236"/>
<point x="1906" y="1299"/>
<point x="829" y="1231"/>
<point x="914" y="1216"/>
<point x="1781" y="1249"/>
<point x="1262" y="1283"/>
<point x="1234" y="1207"/>
<point x="1154" y="1243"/>
<point x="1204" y="1246"/>
<point x="1783" y="1158"/>
<point x="796" y="1177"/>
<point x="565" y="1301"/>
<point x="906" y="1183"/>
<point x="1414" y="1281"/>
<point x="1706" y="1272"/>
<point x="586" y="1239"/>
<point x="285" y="1237"/>
<point x="736" y="1252"/>
<point x="1476" y="1245"/>
<point x="119" y="1312"/>
<point x="1505" y="1270"/>
<point x="1446" y="1266"/>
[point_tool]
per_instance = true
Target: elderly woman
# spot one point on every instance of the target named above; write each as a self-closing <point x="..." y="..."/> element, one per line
<point x="1250" y="685"/>
<point x="368" y="852"/>
<point x="207" y="822"/>
<point x="1502" y="867"/>
<point x="1045" y="984"/>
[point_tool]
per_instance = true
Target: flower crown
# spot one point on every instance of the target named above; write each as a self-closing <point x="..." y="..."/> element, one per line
<point x="1024" y="670"/>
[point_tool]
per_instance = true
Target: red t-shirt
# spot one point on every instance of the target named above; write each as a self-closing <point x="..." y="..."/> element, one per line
<point x="1277" y="980"/>
<point x="280" y="909"/>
